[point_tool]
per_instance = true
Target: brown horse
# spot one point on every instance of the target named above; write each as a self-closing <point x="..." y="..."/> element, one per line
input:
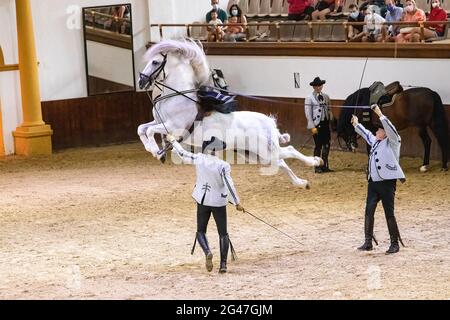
<point x="417" y="107"/>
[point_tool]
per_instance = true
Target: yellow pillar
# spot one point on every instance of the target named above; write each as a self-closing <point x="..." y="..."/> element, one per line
<point x="33" y="136"/>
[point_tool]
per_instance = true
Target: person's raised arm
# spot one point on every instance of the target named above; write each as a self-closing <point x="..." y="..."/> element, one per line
<point x="187" y="157"/>
<point x="389" y="128"/>
<point x="363" y="132"/>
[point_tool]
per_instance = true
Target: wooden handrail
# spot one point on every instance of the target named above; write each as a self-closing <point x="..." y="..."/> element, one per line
<point x="310" y="24"/>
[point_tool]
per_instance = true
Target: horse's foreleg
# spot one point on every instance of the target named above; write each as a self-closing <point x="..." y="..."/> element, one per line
<point x="142" y="133"/>
<point x="295" y="180"/>
<point x="291" y="152"/>
<point x="426" y="140"/>
<point x="150" y="133"/>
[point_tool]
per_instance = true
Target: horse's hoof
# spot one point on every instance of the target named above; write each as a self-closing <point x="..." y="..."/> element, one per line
<point x="424" y="169"/>
<point x="308" y="186"/>
<point x="163" y="159"/>
<point x="444" y="169"/>
<point x="319" y="162"/>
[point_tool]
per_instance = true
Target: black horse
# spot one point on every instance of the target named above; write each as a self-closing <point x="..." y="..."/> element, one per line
<point x="416" y="107"/>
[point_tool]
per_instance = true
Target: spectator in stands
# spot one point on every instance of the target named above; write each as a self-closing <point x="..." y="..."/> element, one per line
<point x="374" y="23"/>
<point x="222" y="14"/>
<point x="325" y="7"/>
<point x="434" y="30"/>
<point x="300" y="9"/>
<point x="216" y="30"/>
<point x="411" y="14"/>
<point x="235" y="11"/>
<point x="235" y="31"/>
<point x="379" y="6"/>
<point x="116" y="23"/>
<point x="394" y="14"/>
<point x="355" y="32"/>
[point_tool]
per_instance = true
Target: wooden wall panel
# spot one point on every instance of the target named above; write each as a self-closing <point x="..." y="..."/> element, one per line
<point x="97" y="120"/>
<point x="114" y="118"/>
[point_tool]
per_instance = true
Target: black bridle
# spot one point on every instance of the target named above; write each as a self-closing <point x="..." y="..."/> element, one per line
<point x="156" y="73"/>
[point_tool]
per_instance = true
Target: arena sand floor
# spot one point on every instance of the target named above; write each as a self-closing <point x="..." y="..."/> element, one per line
<point x="112" y="222"/>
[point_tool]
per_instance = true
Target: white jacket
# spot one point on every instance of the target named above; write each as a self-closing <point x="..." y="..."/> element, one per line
<point x="315" y="112"/>
<point x="214" y="186"/>
<point x="385" y="154"/>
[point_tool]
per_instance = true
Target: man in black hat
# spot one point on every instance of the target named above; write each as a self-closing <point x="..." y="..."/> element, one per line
<point x="318" y="115"/>
<point x="213" y="190"/>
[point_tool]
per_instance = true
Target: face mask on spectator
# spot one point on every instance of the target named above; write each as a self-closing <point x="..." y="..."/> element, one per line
<point x="215" y="6"/>
<point x="234" y="12"/>
<point x="409" y="8"/>
<point x="390" y="7"/>
<point x="354" y="14"/>
<point x="435" y="4"/>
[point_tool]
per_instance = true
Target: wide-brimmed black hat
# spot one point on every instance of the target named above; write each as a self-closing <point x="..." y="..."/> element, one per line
<point x="214" y="144"/>
<point x="317" y="82"/>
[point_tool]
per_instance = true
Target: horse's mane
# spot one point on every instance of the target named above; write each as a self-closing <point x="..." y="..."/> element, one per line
<point x="187" y="48"/>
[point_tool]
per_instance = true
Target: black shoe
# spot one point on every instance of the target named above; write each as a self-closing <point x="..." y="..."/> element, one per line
<point x="326" y="169"/>
<point x="367" y="246"/>
<point x="394" y="248"/>
<point x="318" y="170"/>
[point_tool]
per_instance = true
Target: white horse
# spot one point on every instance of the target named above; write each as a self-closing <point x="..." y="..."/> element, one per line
<point x="176" y="67"/>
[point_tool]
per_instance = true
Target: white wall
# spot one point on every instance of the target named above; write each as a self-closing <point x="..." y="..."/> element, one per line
<point x="60" y="50"/>
<point x="273" y="76"/>
<point x="178" y="11"/>
<point x="110" y="63"/>
<point x="9" y="81"/>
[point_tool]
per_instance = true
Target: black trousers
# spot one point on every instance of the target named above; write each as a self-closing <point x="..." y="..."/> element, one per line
<point x="322" y="141"/>
<point x="384" y="191"/>
<point x="220" y="216"/>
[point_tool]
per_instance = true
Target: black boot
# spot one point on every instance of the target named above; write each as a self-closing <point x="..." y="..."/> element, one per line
<point x="224" y="242"/>
<point x="203" y="242"/>
<point x="368" y="234"/>
<point x="325" y="153"/>
<point x="394" y="234"/>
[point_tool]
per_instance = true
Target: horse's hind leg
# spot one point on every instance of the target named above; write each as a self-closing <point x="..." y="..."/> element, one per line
<point x="291" y="152"/>
<point x="426" y="140"/>
<point x="295" y="180"/>
<point x="442" y="138"/>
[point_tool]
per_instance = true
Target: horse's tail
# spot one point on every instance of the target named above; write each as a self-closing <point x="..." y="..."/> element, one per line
<point x="439" y="117"/>
<point x="283" y="138"/>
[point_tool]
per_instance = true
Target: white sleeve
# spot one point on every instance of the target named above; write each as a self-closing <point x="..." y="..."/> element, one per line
<point x="391" y="132"/>
<point x="228" y="181"/>
<point x="308" y="113"/>
<point x="187" y="157"/>
<point x="366" y="134"/>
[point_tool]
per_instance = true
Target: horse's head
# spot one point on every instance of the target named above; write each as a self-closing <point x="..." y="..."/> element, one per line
<point x="182" y="58"/>
<point x="155" y="70"/>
